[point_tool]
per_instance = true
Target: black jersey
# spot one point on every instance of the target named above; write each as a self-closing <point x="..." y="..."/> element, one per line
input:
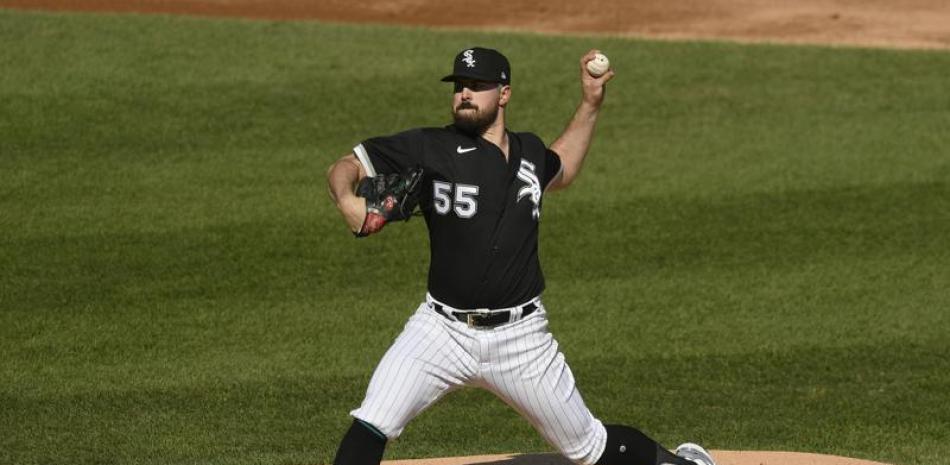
<point x="482" y="210"/>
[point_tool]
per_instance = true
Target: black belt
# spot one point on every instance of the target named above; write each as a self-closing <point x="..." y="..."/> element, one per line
<point x="483" y="319"/>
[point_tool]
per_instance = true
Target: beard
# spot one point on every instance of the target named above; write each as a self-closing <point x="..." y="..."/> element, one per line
<point x="474" y="121"/>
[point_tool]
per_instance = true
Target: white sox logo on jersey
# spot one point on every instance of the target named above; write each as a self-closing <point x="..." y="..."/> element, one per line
<point x="532" y="189"/>
<point x="469" y="58"/>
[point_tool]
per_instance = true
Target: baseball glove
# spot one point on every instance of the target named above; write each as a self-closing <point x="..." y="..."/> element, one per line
<point x="389" y="197"/>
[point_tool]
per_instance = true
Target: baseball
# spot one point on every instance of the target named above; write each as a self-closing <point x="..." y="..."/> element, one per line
<point x="599" y="65"/>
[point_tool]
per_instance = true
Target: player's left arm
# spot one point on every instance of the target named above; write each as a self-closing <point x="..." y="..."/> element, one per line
<point x="573" y="143"/>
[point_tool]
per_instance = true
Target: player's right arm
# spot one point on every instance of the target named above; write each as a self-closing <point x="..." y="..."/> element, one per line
<point x="342" y="178"/>
<point x="574" y="142"/>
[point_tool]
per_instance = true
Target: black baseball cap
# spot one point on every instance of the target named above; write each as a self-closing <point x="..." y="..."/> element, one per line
<point x="483" y="64"/>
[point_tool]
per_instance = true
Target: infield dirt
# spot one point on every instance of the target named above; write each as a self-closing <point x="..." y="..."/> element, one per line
<point x="723" y="457"/>
<point x="883" y="23"/>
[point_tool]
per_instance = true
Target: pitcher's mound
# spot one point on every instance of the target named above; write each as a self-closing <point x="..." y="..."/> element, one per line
<point x="723" y="457"/>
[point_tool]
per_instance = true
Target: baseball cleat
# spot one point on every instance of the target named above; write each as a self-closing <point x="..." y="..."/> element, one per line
<point x="694" y="453"/>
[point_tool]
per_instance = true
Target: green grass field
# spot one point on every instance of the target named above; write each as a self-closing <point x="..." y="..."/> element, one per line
<point x="757" y="255"/>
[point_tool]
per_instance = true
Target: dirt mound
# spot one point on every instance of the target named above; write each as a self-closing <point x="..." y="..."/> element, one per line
<point x="723" y="457"/>
<point x="887" y="23"/>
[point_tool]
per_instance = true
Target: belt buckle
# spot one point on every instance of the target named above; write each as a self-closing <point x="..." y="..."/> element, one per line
<point x="472" y="317"/>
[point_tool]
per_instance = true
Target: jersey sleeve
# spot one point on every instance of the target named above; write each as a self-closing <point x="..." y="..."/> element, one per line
<point x="552" y="167"/>
<point x="390" y="154"/>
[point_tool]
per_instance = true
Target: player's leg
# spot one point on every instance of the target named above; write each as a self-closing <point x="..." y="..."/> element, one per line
<point x="530" y="374"/>
<point x="629" y="446"/>
<point x="363" y="444"/>
<point x="425" y="362"/>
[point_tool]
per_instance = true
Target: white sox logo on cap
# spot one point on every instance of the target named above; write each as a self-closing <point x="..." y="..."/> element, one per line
<point x="489" y="66"/>
<point x="469" y="58"/>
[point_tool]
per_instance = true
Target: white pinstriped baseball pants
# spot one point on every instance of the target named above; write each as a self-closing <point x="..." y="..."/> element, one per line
<point x="519" y="362"/>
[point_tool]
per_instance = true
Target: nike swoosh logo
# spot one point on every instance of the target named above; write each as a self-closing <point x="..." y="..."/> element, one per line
<point x="459" y="149"/>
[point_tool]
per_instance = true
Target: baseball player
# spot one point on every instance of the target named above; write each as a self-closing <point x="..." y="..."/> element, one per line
<point x="482" y="323"/>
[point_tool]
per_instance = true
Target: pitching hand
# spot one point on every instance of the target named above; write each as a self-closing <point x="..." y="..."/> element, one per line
<point x="593" y="87"/>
